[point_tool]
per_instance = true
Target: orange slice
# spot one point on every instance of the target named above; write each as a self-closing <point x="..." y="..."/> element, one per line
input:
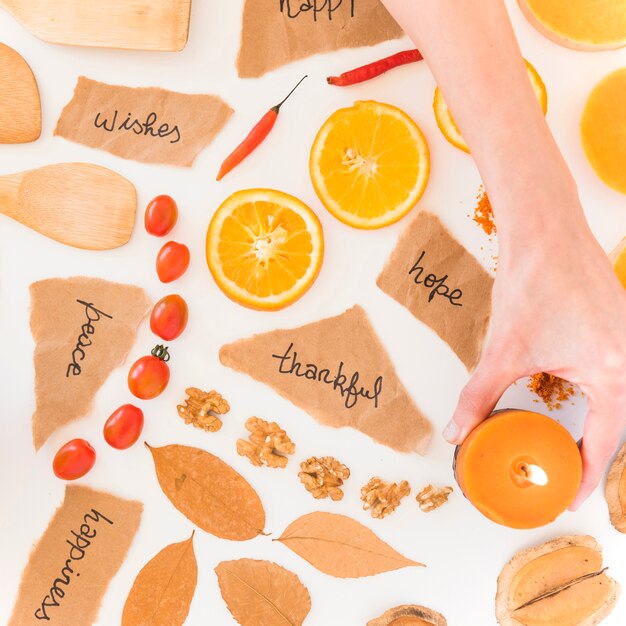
<point x="603" y="129"/>
<point x="448" y="126"/>
<point x="618" y="258"/>
<point x="369" y="164"/>
<point x="264" y="248"/>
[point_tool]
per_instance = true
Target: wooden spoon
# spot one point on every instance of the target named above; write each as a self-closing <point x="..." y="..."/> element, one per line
<point x="79" y="204"/>
<point x="20" y="108"/>
<point x="131" y="24"/>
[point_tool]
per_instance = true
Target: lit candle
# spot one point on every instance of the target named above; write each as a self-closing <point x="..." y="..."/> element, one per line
<point x="519" y="469"/>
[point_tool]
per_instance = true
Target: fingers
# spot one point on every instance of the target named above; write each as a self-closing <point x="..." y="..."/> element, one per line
<point x="602" y="434"/>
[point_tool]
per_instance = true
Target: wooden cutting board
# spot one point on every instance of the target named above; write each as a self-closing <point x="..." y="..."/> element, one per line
<point x="20" y="108"/>
<point x="131" y="24"/>
<point x="79" y="204"/>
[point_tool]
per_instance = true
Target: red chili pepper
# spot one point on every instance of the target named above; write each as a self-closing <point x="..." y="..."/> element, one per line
<point x="371" y="70"/>
<point x="254" y="138"/>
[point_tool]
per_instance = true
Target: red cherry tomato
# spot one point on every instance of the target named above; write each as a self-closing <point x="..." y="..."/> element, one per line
<point x="148" y="376"/>
<point x="161" y="215"/>
<point x="169" y="317"/>
<point x="74" y="459"/>
<point x="172" y="261"/>
<point x="124" y="426"/>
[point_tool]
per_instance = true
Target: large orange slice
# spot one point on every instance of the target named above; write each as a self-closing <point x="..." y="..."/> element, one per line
<point x="369" y="164"/>
<point x="448" y="126"/>
<point x="618" y="258"/>
<point x="264" y="248"/>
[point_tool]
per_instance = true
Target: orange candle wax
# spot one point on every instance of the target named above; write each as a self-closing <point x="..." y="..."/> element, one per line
<point x="519" y="469"/>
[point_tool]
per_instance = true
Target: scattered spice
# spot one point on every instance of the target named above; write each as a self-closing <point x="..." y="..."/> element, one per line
<point x="324" y="477"/>
<point x="201" y="409"/>
<point x="382" y="498"/>
<point x="431" y="498"/>
<point x="268" y="444"/>
<point x="372" y="70"/>
<point x="483" y="213"/>
<point x="552" y="390"/>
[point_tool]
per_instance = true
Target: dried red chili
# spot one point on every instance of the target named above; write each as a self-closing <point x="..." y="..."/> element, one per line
<point x="371" y="70"/>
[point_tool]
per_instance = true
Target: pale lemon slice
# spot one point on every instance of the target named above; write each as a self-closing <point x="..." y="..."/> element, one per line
<point x="264" y="248"/>
<point x="369" y="164"/>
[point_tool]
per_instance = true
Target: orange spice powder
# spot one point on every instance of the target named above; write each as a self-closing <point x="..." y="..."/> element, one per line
<point x="483" y="213"/>
<point x="552" y="390"/>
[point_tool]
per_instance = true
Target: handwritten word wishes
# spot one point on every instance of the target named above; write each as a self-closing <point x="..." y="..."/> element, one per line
<point x="146" y="128"/>
<point x="295" y="8"/>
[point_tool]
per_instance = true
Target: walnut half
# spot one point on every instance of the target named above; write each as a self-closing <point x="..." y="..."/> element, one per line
<point x="382" y="498"/>
<point x="431" y="498"/>
<point x="323" y="477"/>
<point x="201" y="409"/>
<point x="268" y="444"/>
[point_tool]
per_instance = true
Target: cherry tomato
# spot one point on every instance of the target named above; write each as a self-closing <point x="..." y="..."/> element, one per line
<point x="148" y="376"/>
<point x="169" y="317"/>
<point x="74" y="459"/>
<point x="161" y="215"/>
<point x="124" y="426"/>
<point x="172" y="261"/>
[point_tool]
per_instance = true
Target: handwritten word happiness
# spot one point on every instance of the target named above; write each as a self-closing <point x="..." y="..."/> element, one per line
<point x="294" y="8"/>
<point x="84" y="340"/>
<point x="134" y="125"/>
<point x="349" y="389"/>
<point x="438" y="285"/>
<point x="79" y="542"/>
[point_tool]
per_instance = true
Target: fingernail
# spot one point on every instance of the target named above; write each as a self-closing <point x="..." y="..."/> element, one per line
<point x="451" y="432"/>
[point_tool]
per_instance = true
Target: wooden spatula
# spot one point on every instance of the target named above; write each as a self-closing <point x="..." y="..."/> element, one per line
<point x="132" y="24"/>
<point x="20" y="108"/>
<point x="79" y="204"/>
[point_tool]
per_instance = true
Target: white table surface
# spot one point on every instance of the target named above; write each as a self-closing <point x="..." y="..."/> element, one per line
<point x="464" y="551"/>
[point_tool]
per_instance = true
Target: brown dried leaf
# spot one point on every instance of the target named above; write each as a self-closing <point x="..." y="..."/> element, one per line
<point x="163" y="590"/>
<point x="616" y="491"/>
<point x="559" y="582"/>
<point x="341" y="547"/>
<point x="409" y="615"/>
<point x="209" y="492"/>
<point x="261" y="593"/>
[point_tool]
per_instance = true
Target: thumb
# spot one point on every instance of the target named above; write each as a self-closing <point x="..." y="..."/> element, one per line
<point x="479" y="397"/>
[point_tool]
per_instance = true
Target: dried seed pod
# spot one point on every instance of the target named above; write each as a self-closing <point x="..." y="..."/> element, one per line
<point x="616" y="491"/>
<point x="409" y="615"/>
<point x="560" y="582"/>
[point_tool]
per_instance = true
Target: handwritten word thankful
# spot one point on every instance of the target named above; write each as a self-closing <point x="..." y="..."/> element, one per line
<point x="438" y="285"/>
<point x="294" y="8"/>
<point x="79" y="543"/>
<point x="349" y="389"/>
<point x="145" y="128"/>
<point x="84" y="340"/>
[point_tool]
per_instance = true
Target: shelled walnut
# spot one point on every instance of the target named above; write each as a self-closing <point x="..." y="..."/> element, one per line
<point x="201" y="409"/>
<point x="324" y="477"/>
<point x="382" y="498"/>
<point x="268" y="444"/>
<point x="431" y="498"/>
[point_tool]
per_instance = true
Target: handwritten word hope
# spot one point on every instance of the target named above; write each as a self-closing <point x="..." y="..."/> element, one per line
<point x="79" y="542"/>
<point x="438" y="285"/>
<point x="294" y="8"/>
<point x="134" y="125"/>
<point x="84" y="340"/>
<point x="349" y="389"/>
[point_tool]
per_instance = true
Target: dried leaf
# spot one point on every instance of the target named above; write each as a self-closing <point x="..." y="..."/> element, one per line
<point x="559" y="582"/>
<point x="341" y="547"/>
<point x="616" y="491"/>
<point x="409" y="615"/>
<point x="261" y="593"/>
<point x="209" y="492"/>
<point x="163" y="590"/>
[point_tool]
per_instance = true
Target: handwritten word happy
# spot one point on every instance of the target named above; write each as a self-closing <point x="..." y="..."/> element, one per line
<point x="439" y="287"/>
<point x="349" y="390"/>
<point x="139" y="128"/>
<point x="315" y="6"/>
<point x="78" y="546"/>
<point x="88" y="328"/>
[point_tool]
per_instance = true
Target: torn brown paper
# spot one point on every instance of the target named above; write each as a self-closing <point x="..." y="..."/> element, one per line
<point x="337" y="370"/>
<point x="277" y="32"/>
<point x="73" y="562"/>
<point x="83" y="328"/>
<point x="145" y="124"/>
<point x="441" y="284"/>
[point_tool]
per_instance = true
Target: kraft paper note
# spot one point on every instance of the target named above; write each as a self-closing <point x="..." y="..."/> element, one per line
<point x="442" y="285"/>
<point x="73" y="562"/>
<point x="277" y="32"/>
<point x="337" y="370"/>
<point x="145" y="124"/>
<point x="83" y="328"/>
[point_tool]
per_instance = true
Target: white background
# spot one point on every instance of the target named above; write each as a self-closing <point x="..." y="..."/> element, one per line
<point x="464" y="552"/>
